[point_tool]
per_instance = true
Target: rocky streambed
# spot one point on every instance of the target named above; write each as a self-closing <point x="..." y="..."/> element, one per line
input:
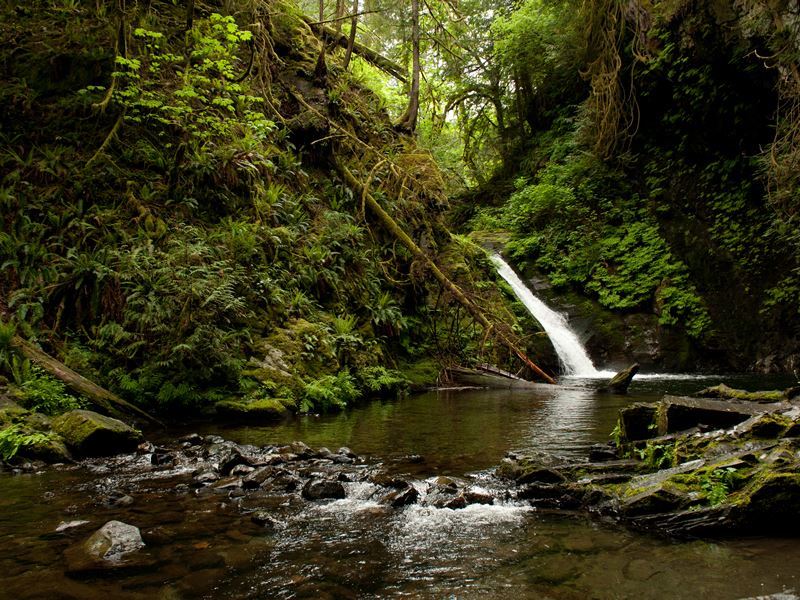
<point x="725" y="462"/>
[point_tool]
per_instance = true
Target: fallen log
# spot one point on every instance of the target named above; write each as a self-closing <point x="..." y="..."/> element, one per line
<point x="457" y="293"/>
<point x="365" y="52"/>
<point x="101" y="397"/>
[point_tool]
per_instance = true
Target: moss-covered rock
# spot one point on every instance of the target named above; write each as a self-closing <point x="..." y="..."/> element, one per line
<point x="88" y="433"/>
<point x="10" y="411"/>
<point x="264" y="409"/>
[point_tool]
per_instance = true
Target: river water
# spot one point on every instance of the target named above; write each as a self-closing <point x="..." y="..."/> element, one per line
<point x="200" y="547"/>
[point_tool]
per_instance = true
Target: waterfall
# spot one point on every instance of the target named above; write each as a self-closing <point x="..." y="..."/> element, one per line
<point x="571" y="353"/>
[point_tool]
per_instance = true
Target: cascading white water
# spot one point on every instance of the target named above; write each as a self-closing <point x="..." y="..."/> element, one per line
<point x="571" y="353"/>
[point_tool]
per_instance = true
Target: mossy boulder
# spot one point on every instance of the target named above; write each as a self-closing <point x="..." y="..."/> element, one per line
<point x="51" y="450"/>
<point x="10" y="411"/>
<point x="88" y="433"/>
<point x="264" y="409"/>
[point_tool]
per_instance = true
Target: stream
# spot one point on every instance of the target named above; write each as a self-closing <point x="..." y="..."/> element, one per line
<point x="199" y="546"/>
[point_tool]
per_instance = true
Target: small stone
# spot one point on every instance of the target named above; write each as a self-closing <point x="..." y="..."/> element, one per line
<point x="318" y="489"/>
<point x="118" y="499"/>
<point x="67" y="525"/>
<point x="161" y="459"/>
<point x="402" y="497"/>
<point x="205" y="478"/>
<point x="229" y="483"/>
<point x="264" y="519"/>
<point x="345" y="451"/>
<point x="256" y="478"/>
<point x="193" y="439"/>
<point x="242" y="470"/>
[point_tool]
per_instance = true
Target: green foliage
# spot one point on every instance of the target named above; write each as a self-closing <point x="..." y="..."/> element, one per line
<point x="718" y="484"/>
<point x="381" y="381"/>
<point x="616" y="433"/>
<point x="657" y="456"/>
<point x="328" y="393"/>
<point x="573" y="224"/>
<point x="15" y="437"/>
<point x="206" y="103"/>
<point x="7" y="332"/>
<point x="45" y="394"/>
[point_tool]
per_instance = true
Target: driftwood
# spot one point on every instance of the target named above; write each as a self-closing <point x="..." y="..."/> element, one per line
<point x="101" y="397"/>
<point x="490" y="376"/>
<point x="621" y="381"/>
<point x="365" y="52"/>
<point x="457" y="293"/>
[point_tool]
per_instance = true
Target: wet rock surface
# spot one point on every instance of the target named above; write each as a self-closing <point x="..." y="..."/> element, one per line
<point x="88" y="433"/>
<point x="685" y="466"/>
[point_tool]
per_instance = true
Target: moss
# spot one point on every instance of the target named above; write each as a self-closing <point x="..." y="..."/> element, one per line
<point x="422" y="373"/>
<point x="723" y="391"/>
<point x="10" y="411"/>
<point x="261" y="409"/>
<point x="90" y="434"/>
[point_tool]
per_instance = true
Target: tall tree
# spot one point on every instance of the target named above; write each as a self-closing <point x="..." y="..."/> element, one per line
<point x="408" y="122"/>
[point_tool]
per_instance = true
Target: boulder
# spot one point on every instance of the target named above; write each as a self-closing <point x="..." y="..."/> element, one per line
<point x="87" y="433"/>
<point x="264" y="409"/>
<point x="478" y="496"/>
<point x="10" y="411"/>
<point x="113" y="541"/>
<point x="637" y="422"/>
<point x="319" y="489"/>
<point x="679" y="413"/>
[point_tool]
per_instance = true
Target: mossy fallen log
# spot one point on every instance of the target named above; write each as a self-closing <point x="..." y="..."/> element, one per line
<point x="99" y="396"/>
<point x="456" y="291"/>
<point x="365" y="52"/>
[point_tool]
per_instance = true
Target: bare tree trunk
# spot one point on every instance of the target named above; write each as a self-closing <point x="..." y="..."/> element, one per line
<point x="408" y="121"/>
<point x="321" y="70"/>
<point x="351" y="40"/>
<point x="339" y="15"/>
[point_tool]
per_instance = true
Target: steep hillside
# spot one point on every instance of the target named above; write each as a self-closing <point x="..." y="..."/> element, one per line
<point x="178" y="222"/>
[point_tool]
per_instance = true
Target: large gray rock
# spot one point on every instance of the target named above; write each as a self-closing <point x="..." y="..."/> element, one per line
<point x="113" y="541"/>
<point x="87" y="433"/>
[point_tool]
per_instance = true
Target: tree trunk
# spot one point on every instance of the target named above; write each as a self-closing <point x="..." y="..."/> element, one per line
<point x="321" y="70"/>
<point x="339" y="15"/>
<point x="351" y="39"/>
<point x="408" y="122"/>
<point x="101" y="397"/>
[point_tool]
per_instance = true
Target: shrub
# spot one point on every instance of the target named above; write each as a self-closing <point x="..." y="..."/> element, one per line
<point x="42" y="393"/>
<point x="331" y="392"/>
<point x="16" y="436"/>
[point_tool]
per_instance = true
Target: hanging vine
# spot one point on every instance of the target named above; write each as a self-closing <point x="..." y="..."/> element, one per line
<point x="612" y="109"/>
